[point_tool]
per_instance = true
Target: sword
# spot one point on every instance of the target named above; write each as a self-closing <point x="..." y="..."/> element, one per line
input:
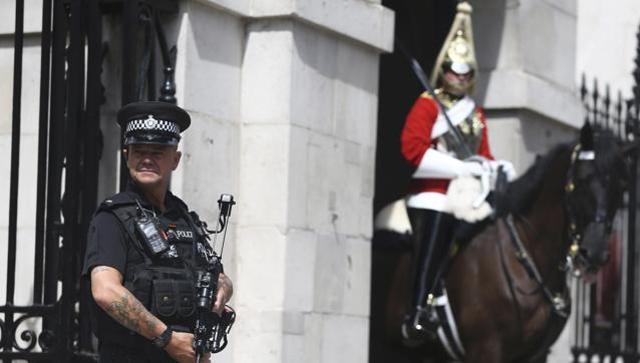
<point x="422" y="77"/>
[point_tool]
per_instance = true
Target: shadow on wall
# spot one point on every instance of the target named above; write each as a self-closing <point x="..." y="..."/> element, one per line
<point x="488" y="27"/>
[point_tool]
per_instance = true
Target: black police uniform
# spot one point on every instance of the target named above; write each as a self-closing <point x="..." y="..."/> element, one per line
<point x="163" y="282"/>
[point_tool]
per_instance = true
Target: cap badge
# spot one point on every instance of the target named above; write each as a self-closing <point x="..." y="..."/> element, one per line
<point x="150" y="122"/>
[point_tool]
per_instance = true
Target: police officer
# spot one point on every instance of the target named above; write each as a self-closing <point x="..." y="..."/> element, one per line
<point x="144" y="248"/>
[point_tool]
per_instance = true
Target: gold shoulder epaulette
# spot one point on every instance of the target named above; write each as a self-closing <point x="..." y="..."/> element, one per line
<point x="426" y="94"/>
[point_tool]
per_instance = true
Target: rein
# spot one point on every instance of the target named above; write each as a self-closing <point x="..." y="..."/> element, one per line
<point x="559" y="301"/>
<point x="573" y="235"/>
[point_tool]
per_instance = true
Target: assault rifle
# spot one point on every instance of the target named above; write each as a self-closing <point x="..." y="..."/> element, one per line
<point x="211" y="329"/>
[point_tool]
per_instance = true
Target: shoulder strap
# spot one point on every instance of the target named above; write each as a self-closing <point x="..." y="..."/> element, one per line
<point x="192" y="219"/>
<point x="125" y="213"/>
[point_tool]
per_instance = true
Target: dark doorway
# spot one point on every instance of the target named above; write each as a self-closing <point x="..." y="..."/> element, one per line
<point x="420" y="27"/>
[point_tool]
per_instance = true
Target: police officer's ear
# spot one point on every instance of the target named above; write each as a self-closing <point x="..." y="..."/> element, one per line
<point x="177" y="155"/>
<point x="125" y="152"/>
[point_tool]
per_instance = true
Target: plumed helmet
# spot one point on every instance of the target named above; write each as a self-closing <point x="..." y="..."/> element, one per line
<point x="457" y="53"/>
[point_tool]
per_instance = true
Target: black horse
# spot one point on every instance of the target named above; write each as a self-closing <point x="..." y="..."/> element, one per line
<point x="507" y="285"/>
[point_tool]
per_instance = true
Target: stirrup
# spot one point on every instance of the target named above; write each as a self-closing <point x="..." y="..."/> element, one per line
<point x="420" y="326"/>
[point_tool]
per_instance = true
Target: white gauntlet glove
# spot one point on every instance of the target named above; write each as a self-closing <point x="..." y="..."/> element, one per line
<point x="472" y="168"/>
<point x="507" y="168"/>
<point x="438" y="165"/>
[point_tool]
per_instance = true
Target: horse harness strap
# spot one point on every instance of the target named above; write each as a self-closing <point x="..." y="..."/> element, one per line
<point x="574" y="236"/>
<point x="558" y="302"/>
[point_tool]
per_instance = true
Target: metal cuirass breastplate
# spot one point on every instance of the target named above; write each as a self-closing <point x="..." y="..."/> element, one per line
<point x="470" y="130"/>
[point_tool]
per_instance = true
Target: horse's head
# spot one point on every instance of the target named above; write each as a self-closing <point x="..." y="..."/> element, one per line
<point x="596" y="180"/>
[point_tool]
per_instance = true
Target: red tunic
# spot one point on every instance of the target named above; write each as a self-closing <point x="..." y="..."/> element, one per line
<point x="416" y="139"/>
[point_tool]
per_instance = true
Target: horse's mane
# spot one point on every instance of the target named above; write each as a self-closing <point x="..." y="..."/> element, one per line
<point x="521" y="193"/>
<point x="518" y="196"/>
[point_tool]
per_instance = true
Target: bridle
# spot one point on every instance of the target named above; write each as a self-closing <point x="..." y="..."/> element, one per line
<point x="559" y="301"/>
<point x="573" y="233"/>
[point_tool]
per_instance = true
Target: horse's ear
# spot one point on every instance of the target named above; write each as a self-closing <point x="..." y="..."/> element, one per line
<point x="586" y="137"/>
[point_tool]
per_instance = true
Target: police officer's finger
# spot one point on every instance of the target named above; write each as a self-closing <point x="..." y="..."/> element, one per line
<point x="221" y="300"/>
<point x="218" y="307"/>
<point x="180" y="347"/>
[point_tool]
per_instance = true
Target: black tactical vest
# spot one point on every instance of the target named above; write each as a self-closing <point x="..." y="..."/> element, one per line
<point x="165" y="286"/>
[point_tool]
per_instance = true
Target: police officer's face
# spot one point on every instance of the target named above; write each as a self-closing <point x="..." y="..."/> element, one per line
<point x="151" y="165"/>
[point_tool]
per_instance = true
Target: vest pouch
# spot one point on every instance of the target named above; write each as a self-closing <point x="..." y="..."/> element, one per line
<point x="140" y="287"/>
<point x="186" y="299"/>
<point x="165" y="299"/>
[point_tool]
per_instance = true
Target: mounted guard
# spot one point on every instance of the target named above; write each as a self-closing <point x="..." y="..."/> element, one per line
<point x="444" y="138"/>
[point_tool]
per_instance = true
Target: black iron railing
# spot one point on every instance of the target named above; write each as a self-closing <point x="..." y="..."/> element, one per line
<point x="596" y="337"/>
<point x="69" y="148"/>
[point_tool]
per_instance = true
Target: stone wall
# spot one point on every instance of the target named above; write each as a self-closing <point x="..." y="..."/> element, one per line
<point x="527" y="65"/>
<point x="283" y="97"/>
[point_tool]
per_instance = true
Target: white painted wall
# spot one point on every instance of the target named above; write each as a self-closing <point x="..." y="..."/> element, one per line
<point x="607" y="42"/>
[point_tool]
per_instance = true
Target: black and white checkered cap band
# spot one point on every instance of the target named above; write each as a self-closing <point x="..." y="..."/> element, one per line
<point x="152" y="124"/>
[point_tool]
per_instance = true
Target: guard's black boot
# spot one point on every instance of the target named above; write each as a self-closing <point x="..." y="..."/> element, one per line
<point x="420" y="325"/>
<point x="432" y="237"/>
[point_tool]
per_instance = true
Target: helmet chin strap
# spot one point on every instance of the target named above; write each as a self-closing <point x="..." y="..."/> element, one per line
<point x="455" y="91"/>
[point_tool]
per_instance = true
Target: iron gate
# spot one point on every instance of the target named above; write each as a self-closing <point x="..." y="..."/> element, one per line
<point x="69" y="147"/>
<point x="607" y="320"/>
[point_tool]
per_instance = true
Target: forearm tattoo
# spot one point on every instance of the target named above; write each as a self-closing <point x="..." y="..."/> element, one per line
<point x="130" y="312"/>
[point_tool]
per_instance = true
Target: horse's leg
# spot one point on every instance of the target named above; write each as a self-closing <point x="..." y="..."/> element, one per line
<point x="486" y="350"/>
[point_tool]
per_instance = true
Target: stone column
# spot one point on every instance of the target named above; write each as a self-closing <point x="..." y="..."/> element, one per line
<point x="283" y="96"/>
<point x="526" y="52"/>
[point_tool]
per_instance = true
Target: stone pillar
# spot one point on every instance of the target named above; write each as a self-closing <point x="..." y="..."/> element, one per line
<point x="526" y="52"/>
<point x="283" y="96"/>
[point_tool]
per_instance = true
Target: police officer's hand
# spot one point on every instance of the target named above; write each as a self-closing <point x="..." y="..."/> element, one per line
<point x="225" y="291"/>
<point x="180" y="347"/>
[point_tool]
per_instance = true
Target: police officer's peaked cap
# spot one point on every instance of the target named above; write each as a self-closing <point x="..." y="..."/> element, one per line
<point x="152" y="122"/>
